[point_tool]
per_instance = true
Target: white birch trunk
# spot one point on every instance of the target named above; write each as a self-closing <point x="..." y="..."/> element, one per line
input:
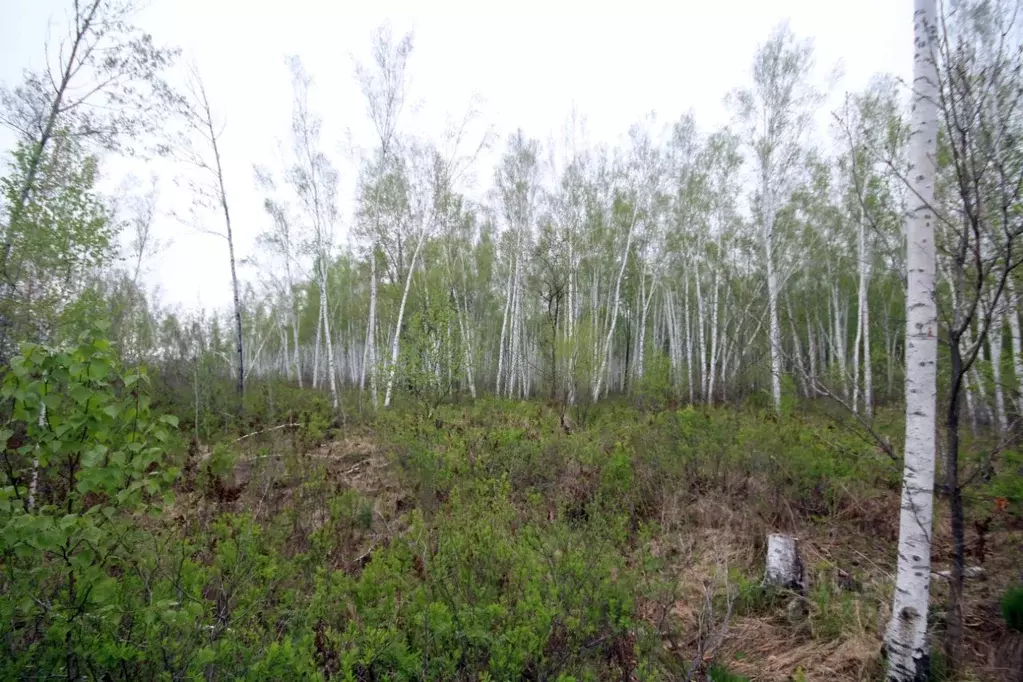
<point x="838" y="340"/>
<point x="614" y="315"/>
<point x="906" y="640"/>
<point x="811" y="353"/>
<point x="689" y="343"/>
<point x="971" y="409"/>
<point x="994" y="342"/>
<point x="701" y="335"/>
<point x="863" y="327"/>
<point x="504" y="330"/>
<point x="514" y="345"/>
<point x="316" y="355"/>
<point x="371" y="335"/>
<point x="325" y="321"/>
<point x="713" y="341"/>
<point x="772" y="311"/>
<point x="401" y="315"/>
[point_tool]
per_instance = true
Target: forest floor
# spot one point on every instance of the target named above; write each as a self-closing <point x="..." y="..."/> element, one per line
<point x="489" y="542"/>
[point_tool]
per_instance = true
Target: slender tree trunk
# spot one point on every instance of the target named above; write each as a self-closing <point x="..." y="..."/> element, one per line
<point x="371" y="336"/>
<point x="230" y="250"/>
<point x="863" y="327"/>
<point x="316" y="354"/>
<point x="294" y="327"/>
<point x="954" y="614"/>
<point x="906" y="641"/>
<point x="617" y="300"/>
<point x="463" y="328"/>
<point x="1012" y="312"/>
<point x="673" y="341"/>
<point x="325" y="321"/>
<point x="971" y="409"/>
<point x="772" y="302"/>
<point x="797" y="350"/>
<point x="401" y="317"/>
<point x="868" y="378"/>
<point x="811" y="352"/>
<point x="711" y="366"/>
<point x="516" y="331"/>
<point x="689" y="343"/>
<point x="994" y="341"/>
<point x="504" y="328"/>
<point x="838" y="339"/>
<point x="701" y="335"/>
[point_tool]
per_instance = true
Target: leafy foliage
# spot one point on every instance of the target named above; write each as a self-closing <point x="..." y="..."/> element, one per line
<point x="84" y="462"/>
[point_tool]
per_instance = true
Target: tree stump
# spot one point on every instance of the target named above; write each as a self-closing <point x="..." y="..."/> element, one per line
<point x="784" y="567"/>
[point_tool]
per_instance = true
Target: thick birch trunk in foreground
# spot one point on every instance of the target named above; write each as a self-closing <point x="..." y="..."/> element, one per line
<point x="906" y="641"/>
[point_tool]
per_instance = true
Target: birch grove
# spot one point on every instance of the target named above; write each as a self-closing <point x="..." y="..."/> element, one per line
<point x="757" y="260"/>
<point x="817" y="258"/>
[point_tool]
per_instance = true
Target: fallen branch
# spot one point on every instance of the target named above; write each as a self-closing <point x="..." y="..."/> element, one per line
<point x="258" y="433"/>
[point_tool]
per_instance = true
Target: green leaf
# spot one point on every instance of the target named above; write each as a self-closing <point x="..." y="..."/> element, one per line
<point x="98" y="369"/>
<point x="81" y="394"/>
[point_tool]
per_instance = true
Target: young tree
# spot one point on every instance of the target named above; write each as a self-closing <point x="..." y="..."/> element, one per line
<point x="385" y="87"/>
<point x="64" y="235"/>
<point x="870" y="129"/>
<point x="315" y="182"/>
<point x="104" y="88"/>
<point x="282" y="239"/>
<point x="210" y="192"/>
<point x="978" y="195"/>
<point x="775" y="114"/>
<point x="518" y="185"/>
<point x="906" y="642"/>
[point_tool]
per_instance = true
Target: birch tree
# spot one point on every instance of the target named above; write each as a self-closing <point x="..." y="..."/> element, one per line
<point x="202" y="149"/>
<point x="632" y="201"/>
<point x="906" y="641"/>
<point x="775" y="114"/>
<point x="315" y="182"/>
<point x="978" y="198"/>
<point x="283" y="239"/>
<point x="385" y="86"/>
<point x="102" y="90"/>
<point x="517" y="185"/>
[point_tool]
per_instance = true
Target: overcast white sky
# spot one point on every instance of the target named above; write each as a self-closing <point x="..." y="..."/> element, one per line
<point x="530" y="62"/>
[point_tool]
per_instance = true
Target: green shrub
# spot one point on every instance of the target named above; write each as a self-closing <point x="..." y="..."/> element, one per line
<point x="1012" y="608"/>
<point x="719" y="673"/>
<point x="87" y="464"/>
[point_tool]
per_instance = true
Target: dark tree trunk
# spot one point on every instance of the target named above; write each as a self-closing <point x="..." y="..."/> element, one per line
<point x="954" y="616"/>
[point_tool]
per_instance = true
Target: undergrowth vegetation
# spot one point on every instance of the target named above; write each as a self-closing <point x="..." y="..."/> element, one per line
<point x="482" y="541"/>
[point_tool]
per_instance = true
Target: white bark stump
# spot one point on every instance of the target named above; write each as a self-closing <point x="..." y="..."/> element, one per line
<point x="784" y="567"/>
